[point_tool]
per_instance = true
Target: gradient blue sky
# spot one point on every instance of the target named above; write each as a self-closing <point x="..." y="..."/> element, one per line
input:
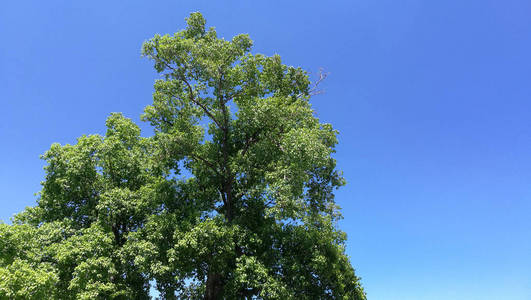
<point x="432" y="99"/>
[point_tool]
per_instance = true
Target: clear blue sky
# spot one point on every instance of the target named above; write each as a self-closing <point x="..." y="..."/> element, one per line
<point x="432" y="99"/>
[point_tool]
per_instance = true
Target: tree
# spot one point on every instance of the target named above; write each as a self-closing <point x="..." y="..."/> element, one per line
<point x="231" y="198"/>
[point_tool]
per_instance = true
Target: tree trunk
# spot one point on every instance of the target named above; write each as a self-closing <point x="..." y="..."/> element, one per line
<point x="214" y="287"/>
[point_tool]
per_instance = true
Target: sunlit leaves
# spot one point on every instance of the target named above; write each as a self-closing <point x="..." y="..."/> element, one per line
<point x="231" y="198"/>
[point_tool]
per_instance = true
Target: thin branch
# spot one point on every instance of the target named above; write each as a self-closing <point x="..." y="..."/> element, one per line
<point x="314" y="90"/>
<point x="208" y="163"/>
<point x="166" y="121"/>
<point x="192" y="98"/>
<point x="226" y="166"/>
<point x="251" y="141"/>
<point x="191" y="93"/>
<point x="204" y="160"/>
<point x="234" y="95"/>
<point x="222" y="197"/>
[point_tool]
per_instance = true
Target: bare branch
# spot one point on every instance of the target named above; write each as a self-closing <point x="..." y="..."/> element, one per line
<point x="314" y="90"/>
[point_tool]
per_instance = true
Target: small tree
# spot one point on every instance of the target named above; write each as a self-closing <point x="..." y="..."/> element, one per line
<point x="232" y="198"/>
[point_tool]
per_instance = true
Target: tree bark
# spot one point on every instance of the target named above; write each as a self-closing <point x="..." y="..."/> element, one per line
<point x="214" y="287"/>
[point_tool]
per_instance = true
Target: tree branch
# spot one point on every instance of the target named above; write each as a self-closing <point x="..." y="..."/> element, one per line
<point x="208" y="163"/>
<point x="191" y="93"/>
<point x="251" y="141"/>
<point x="314" y="89"/>
<point x="227" y="182"/>
<point x="192" y="98"/>
<point x="204" y="160"/>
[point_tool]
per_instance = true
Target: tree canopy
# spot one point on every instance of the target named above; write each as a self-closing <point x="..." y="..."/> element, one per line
<point x="231" y="198"/>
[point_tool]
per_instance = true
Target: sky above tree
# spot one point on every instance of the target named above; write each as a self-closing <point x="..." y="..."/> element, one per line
<point x="431" y="101"/>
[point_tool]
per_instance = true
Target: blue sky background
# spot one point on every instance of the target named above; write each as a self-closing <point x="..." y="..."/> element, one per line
<point x="432" y="100"/>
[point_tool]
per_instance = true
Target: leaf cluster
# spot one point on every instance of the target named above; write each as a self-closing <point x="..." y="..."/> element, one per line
<point x="231" y="198"/>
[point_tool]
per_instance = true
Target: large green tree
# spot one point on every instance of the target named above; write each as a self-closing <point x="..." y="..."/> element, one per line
<point x="231" y="198"/>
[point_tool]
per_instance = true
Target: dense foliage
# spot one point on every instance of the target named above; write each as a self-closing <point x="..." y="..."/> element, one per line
<point x="231" y="198"/>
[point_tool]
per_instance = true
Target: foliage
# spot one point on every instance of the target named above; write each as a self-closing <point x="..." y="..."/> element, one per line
<point x="231" y="198"/>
